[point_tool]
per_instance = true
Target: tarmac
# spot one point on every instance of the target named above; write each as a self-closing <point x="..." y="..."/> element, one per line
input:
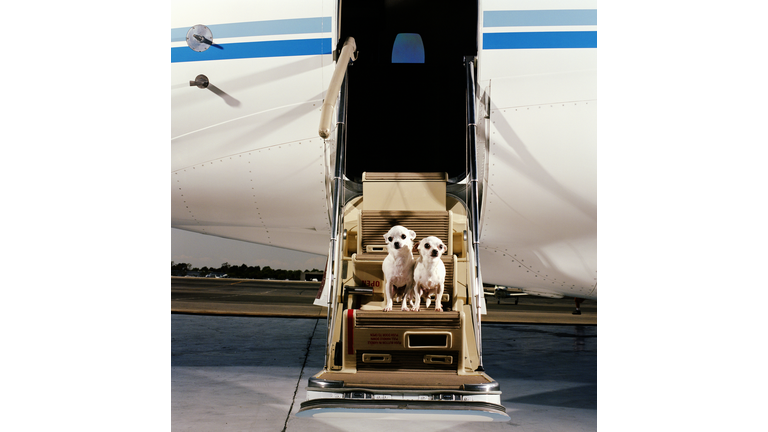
<point x="293" y="299"/>
<point x="234" y="369"/>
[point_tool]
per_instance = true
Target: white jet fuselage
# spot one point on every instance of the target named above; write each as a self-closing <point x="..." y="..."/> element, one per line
<point x="248" y="164"/>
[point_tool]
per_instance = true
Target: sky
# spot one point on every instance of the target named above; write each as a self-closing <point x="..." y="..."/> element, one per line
<point x="208" y="251"/>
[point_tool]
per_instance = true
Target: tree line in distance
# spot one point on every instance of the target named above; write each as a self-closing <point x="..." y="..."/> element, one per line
<point x="240" y="272"/>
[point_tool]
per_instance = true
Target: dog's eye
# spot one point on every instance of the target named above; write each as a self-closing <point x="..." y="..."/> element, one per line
<point x="440" y="246"/>
<point x="389" y="239"/>
<point x="402" y="236"/>
<point x="426" y="245"/>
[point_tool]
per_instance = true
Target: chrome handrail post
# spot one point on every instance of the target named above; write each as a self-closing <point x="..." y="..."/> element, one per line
<point x="338" y="204"/>
<point x="338" y="86"/>
<point x="474" y="200"/>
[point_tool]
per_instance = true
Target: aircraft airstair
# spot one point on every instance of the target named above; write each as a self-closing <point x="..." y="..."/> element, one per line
<point x="401" y="364"/>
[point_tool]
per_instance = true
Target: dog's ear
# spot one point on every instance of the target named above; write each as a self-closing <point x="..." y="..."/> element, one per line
<point x="412" y="234"/>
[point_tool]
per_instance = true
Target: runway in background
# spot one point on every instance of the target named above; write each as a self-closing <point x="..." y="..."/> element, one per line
<point x="245" y="297"/>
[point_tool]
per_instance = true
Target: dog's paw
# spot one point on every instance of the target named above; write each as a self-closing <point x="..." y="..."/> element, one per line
<point x="438" y="308"/>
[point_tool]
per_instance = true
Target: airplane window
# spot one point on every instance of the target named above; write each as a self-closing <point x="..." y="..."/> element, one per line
<point x="408" y="48"/>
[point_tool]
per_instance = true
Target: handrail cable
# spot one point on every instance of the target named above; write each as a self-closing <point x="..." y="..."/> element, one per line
<point x="338" y="84"/>
<point x="477" y="282"/>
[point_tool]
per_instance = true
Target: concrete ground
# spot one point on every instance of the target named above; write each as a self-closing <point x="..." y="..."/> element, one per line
<point x="243" y="373"/>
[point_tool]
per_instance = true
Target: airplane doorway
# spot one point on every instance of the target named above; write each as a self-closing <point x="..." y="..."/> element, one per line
<point x="408" y="116"/>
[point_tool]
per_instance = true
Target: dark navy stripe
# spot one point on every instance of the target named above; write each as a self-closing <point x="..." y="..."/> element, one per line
<point x="540" y="40"/>
<point x="261" y="28"/>
<point x="518" y="18"/>
<point x="253" y="50"/>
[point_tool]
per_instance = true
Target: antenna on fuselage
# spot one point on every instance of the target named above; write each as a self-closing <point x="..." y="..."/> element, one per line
<point x="200" y="38"/>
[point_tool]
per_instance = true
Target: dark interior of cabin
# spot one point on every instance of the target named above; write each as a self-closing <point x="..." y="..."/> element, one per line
<point x="406" y="94"/>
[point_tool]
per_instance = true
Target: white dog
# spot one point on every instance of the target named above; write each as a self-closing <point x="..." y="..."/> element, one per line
<point x="398" y="266"/>
<point x="429" y="273"/>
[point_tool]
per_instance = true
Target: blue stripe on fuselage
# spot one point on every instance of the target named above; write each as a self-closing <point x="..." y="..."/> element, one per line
<point x="539" y="40"/>
<point x="242" y="50"/>
<point x="261" y="28"/>
<point x="519" y="18"/>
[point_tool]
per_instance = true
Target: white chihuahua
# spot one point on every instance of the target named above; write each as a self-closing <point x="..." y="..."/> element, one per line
<point x="398" y="266"/>
<point x="429" y="273"/>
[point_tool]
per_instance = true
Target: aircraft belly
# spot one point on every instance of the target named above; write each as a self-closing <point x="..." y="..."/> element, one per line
<point x="264" y="131"/>
<point x="540" y="198"/>
<point x="274" y="195"/>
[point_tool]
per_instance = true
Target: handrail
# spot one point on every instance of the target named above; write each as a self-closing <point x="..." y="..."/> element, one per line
<point x="329" y="105"/>
<point x="474" y="210"/>
<point x="338" y="210"/>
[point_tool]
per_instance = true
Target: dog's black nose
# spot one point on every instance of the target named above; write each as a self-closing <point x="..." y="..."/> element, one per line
<point x="434" y="253"/>
<point x="397" y="245"/>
